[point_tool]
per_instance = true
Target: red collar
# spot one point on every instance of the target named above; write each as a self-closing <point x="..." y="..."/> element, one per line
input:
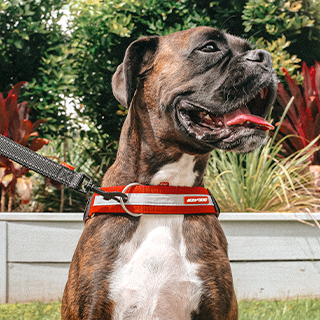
<point x="143" y="199"/>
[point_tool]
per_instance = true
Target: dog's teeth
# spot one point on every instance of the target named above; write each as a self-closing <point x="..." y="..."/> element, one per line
<point x="262" y="94"/>
<point x="202" y="114"/>
<point x="219" y="123"/>
<point x="207" y="117"/>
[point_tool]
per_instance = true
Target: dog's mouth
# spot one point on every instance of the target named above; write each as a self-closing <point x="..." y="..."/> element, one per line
<point x="248" y="117"/>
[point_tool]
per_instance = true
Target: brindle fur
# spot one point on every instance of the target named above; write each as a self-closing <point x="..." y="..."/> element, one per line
<point x="167" y="68"/>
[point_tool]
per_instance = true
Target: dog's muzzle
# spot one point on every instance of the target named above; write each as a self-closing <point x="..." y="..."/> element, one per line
<point x="226" y="130"/>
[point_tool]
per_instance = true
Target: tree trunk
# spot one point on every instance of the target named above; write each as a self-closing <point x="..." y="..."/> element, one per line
<point x="10" y="202"/>
<point x="65" y="146"/>
<point x="3" y="199"/>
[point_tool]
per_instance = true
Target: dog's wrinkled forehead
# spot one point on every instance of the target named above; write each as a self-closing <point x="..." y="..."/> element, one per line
<point x="183" y="54"/>
<point x="186" y="41"/>
<point x="186" y="54"/>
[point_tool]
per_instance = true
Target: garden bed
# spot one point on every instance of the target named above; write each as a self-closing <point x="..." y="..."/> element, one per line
<point x="273" y="256"/>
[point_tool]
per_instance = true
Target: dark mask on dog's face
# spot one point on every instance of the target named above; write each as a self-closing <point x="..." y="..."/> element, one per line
<point x="208" y="88"/>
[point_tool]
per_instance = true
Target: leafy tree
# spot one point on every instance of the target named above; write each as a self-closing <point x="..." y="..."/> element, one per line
<point x="298" y="21"/>
<point x="33" y="48"/>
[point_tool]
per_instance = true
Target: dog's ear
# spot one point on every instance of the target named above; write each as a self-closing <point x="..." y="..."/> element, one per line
<point x="138" y="58"/>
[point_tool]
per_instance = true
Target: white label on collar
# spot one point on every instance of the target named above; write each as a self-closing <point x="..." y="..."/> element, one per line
<point x="196" y="200"/>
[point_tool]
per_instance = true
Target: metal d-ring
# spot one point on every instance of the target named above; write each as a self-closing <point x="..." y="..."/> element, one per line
<point x="122" y="202"/>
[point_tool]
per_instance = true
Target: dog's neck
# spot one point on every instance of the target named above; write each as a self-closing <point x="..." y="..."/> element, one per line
<point x="144" y="158"/>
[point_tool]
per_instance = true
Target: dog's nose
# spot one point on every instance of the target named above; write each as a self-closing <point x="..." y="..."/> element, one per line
<point x="259" y="56"/>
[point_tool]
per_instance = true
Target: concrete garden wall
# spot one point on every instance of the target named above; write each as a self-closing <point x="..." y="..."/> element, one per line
<point x="272" y="255"/>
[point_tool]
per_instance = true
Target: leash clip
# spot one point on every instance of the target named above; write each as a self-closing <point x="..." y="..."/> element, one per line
<point x="89" y="186"/>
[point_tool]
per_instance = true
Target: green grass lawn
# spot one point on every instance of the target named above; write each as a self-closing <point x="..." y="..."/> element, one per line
<point x="30" y="311"/>
<point x="300" y="309"/>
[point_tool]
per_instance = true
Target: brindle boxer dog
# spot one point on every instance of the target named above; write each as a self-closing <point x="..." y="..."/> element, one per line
<point x="197" y="90"/>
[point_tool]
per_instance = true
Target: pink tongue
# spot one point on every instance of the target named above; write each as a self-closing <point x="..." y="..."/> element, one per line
<point x="242" y="115"/>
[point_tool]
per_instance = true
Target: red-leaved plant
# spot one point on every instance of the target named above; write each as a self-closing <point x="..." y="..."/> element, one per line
<point x="302" y="122"/>
<point x="15" y="125"/>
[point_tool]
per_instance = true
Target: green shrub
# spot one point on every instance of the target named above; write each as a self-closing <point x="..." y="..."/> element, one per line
<point x="33" y="48"/>
<point x="298" y="21"/>
<point x="281" y="58"/>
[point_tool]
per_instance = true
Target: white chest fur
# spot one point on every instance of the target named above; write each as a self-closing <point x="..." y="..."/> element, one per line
<point x="178" y="173"/>
<point x="152" y="278"/>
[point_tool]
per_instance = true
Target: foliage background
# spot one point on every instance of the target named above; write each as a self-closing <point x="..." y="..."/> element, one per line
<point x="80" y="58"/>
<point x="34" y="48"/>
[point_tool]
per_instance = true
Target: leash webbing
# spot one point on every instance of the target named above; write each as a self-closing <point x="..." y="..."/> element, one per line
<point x="52" y="170"/>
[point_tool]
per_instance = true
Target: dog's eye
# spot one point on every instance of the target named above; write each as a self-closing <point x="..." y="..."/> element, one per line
<point x="209" y="47"/>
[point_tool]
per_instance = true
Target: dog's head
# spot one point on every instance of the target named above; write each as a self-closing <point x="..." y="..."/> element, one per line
<point x="206" y="87"/>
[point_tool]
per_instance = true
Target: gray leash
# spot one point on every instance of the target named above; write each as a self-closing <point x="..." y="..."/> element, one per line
<point x="53" y="170"/>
